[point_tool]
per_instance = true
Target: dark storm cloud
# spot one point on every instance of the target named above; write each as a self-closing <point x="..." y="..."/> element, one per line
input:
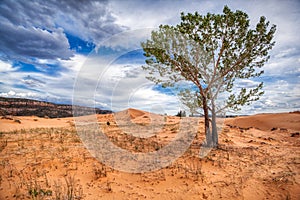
<point x="18" y="42"/>
<point x="36" y="29"/>
<point x="27" y="13"/>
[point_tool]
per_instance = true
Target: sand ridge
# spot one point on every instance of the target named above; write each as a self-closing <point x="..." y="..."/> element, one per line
<point x="268" y="122"/>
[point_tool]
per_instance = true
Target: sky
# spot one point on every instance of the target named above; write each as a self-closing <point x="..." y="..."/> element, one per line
<point x="88" y="52"/>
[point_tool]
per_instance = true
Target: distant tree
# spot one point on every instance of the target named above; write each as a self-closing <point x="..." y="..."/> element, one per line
<point x="204" y="56"/>
<point x="181" y="114"/>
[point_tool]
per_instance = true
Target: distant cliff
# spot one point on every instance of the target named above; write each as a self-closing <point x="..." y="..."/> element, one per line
<point x="28" y="107"/>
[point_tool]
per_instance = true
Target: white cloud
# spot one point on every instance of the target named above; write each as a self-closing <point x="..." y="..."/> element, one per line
<point x="128" y="40"/>
<point x="282" y="66"/>
<point x="42" y="86"/>
<point x="150" y="14"/>
<point x="280" y="96"/>
<point x="6" y="67"/>
<point x="14" y="94"/>
<point x="118" y="87"/>
<point x="246" y="83"/>
<point x="285" y="53"/>
<point x="74" y="63"/>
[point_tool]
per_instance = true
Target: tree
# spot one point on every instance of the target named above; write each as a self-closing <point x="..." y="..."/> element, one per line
<point x="181" y="114"/>
<point x="204" y="56"/>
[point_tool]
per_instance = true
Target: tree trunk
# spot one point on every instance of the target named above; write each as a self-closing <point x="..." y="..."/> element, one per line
<point x="208" y="135"/>
<point x="211" y="132"/>
<point x="214" y="125"/>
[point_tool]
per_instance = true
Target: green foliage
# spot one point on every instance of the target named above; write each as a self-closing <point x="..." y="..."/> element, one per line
<point x="211" y="52"/>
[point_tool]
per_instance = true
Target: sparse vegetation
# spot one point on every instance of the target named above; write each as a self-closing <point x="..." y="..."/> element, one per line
<point x="52" y="163"/>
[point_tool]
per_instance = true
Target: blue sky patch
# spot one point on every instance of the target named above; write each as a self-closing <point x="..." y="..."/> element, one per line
<point x="79" y="45"/>
<point x="25" y="67"/>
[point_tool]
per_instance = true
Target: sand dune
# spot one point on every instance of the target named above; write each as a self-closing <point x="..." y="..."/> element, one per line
<point x="138" y="123"/>
<point x="267" y="122"/>
<point x="134" y="113"/>
<point x="139" y="117"/>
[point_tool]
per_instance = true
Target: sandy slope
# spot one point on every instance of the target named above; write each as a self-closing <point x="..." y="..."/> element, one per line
<point x="268" y="122"/>
<point x="251" y="163"/>
<point x="12" y="123"/>
<point x="134" y="113"/>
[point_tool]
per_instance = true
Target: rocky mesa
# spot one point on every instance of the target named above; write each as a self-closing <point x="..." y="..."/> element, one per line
<point x="29" y="107"/>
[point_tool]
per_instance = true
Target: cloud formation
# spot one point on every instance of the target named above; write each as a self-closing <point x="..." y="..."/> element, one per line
<point x="41" y="50"/>
<point x="23" y="44"/>
<point x="36" y="29"/>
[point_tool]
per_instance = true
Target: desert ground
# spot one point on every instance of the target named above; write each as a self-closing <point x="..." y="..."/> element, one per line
<point x="258" y="158"/>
